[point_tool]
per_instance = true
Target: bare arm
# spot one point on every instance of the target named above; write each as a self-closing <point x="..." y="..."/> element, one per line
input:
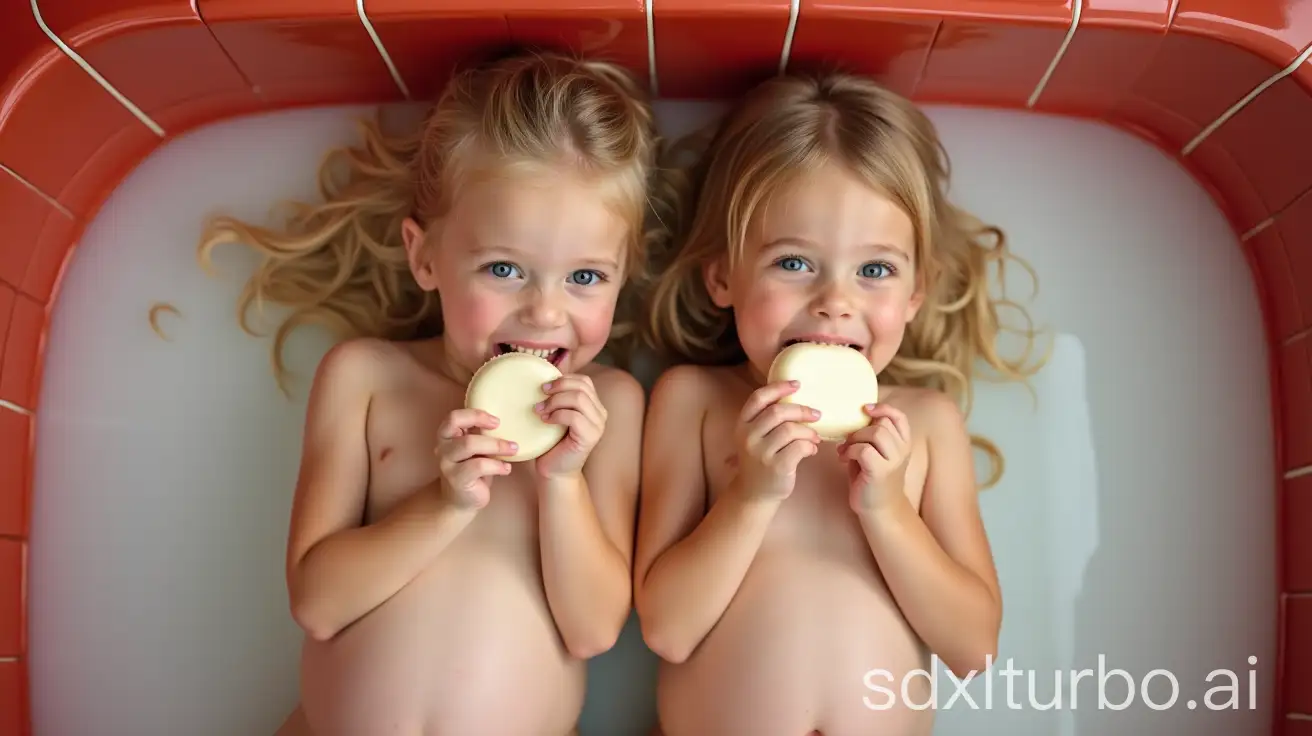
<point x="337" y="570"/>
<point x="940" y="567"/>
<point x="688" y="566"/>
<point x="586" y="525"/>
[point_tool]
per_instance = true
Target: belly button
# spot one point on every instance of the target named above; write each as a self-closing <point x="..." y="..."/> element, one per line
<point x="384" y="454"/>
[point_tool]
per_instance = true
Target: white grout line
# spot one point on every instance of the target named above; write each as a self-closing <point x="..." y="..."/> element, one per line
<point x="1298" y="472"/>
<point x="1259" y="227"/>
<point x="48" y="199"/>
<point x="382" y="50"/>
<point x="794" y="8"/>
<point x="111" y="89"/>
<point x="1243" y="102"/>
<point x="1061" y="51"/>
<point x="15" y="408"/>
<point x="653" y="79"/>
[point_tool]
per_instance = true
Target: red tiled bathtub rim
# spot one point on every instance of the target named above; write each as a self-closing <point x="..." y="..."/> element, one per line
<point x="104" y="77"/>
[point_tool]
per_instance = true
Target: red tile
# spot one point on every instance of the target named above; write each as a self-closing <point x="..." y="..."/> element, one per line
<point x="617" y="35"/>
<point x="1099" y="67"/>
<point x="1282" y="311"/>
<point x="1267" y="139"/>
<point x="301" y="52"/>
<point x="1276" y="30"/>
<point x="15" y="464"/>
<point x="990" y="63"/>
<point x="126" y="41"/>
<point x="13" y="598"/>
<point x="1230" y="71"/>
<point x="702" y="54"/>
<point x="863" y="40"/>
<point x="1298" y="654"/>
<point x="1295" y="727"/>
<point x="1297" y="520"/>
<point x="1295" y="228"/>
<point x="75" y="158"/>
<point x="13" y="698"/>
<point x="1296" y="403"/>
<point x="24" y="340"/>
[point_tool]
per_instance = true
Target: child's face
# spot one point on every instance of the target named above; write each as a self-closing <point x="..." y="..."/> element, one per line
<point x="525" y="263"/>
<point x="828" y="260"/>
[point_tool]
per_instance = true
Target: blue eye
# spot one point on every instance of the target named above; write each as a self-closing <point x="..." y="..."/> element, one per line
<point x="871" y="270"/>
<point x="791" y="263"/>
<point x="501" y="269"/>
<point x="586" y="277"/>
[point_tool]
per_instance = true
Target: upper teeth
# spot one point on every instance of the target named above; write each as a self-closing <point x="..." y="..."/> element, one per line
<point x="834" y="344"/>
<point x="543" y="353"/>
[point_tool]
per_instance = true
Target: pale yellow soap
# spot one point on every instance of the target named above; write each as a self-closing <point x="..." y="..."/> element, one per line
<point x="836" y="381"/>
<point x="508" y="387"/>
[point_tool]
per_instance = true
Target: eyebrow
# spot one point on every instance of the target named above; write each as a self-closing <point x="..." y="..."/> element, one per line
<point x="483" y="251"/>
<point x="878" y="247"/>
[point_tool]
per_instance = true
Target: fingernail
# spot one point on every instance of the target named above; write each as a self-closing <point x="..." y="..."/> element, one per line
<point x="546" y="386"/>
<point x="513" y="446"/>
<point x="815" y="414"/>
<point x="539" y="406"/>
<point x="870" y="407"/>
<point x="794" y="383"/>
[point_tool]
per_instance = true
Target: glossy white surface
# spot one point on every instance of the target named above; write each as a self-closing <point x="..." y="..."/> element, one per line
<point x="1135" y="522"/>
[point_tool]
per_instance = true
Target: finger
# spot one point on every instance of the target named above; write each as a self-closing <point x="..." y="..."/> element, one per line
<point x="765" y="396"/>
<point x="886" y="440"/>
<point x="469" y="472"/>
<point x="776" y="415"/>
<point x="784" y="435"/>
<point x="572" y="382"/>
<point x="898" y="418"/>
<point x="460" y="421"/>
<point x="864" y="456"/>
<point x="578" y="424"/>
<point x="794" y="453"/>
<point x="473" y="445"/>
<point x="576" y="400"/>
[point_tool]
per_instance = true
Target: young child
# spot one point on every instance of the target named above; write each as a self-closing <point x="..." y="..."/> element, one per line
<point x="791" y="584"/>
<point x="442" y="590"/>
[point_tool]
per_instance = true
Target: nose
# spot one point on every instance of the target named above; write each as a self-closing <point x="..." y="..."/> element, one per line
<point x="542" y="309"/>
<point x="831" y="302"/>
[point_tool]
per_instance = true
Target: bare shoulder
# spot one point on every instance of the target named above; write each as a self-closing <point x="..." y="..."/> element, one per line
<point x="930" y="413"/>
<point x="686" y="385"/>
<point x="617" y="389"/>
<point x="357" y="364"/>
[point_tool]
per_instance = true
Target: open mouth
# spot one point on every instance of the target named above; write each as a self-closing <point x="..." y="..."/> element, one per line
<point x="553" y="355"/>
<point x="824" y="341"/>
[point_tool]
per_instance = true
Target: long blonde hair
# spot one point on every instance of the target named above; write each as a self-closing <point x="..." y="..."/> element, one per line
<point x="790" y="125"/>
<point x="341" y="263"/>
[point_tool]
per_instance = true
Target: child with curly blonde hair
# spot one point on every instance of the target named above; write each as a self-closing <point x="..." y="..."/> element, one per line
<point x="441" y="589"/>
<point x="775" y="572"/>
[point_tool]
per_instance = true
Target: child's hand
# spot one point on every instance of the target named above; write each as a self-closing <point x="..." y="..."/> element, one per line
<point x="572" y="401"/>
<point x="772" y="440"/>
<point x="877" y="458"/>
<point x="465" y="464"/>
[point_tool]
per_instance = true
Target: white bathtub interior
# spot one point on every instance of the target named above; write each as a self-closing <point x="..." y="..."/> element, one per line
<point x="1134" y="525"/>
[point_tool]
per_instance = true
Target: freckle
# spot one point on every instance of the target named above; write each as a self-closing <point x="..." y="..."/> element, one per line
<point x="383" y="455"/>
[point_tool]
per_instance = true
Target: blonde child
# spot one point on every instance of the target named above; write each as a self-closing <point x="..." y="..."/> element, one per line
<point x="441" y="590"/>
<point x="790" y="585"/>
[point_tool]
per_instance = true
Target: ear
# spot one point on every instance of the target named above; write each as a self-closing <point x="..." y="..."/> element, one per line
<point x="418" y="254"/>
<point x="716" y="276"/>
<point x="917" y="299"/>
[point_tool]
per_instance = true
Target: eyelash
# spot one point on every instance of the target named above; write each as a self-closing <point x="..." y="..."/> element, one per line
<point x="891" y="270"/>
<point x="600" y="277"/>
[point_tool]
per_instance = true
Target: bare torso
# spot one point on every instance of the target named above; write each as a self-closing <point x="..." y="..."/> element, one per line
<point x="469" y="646"/>
<point x="812" y="617"/>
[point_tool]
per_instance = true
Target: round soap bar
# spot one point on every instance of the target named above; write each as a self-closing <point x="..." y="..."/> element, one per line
<point x="835" y="380"/>
<point x="508" y="387"/>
